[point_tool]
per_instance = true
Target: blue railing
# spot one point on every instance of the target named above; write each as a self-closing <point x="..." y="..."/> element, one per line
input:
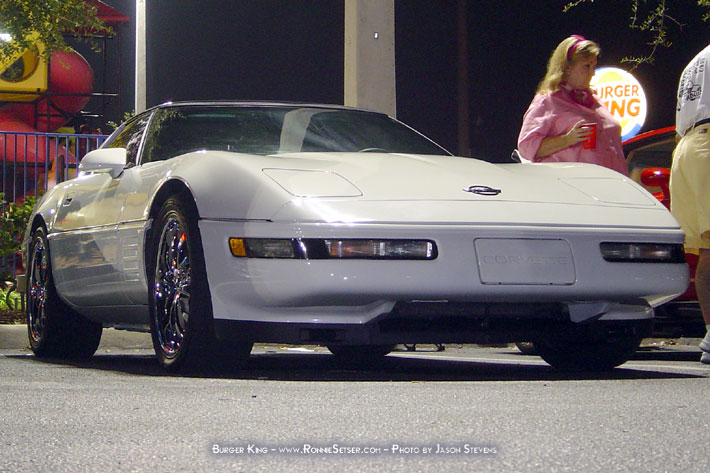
<point x="32" y="163"/>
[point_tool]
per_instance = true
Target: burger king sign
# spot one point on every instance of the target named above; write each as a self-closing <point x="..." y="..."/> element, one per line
<point x="622" y="94"/>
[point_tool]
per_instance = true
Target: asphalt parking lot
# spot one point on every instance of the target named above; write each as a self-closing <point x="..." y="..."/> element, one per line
<point x="413" y="411"/>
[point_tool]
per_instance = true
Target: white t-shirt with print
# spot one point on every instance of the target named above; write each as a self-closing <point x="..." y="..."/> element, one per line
<point x="693" y="93"/>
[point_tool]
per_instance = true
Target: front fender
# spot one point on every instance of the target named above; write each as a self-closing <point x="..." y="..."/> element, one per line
<point x="227" y="185"/>
<point x="45" y="210"/>
<point x="44" y="213"/>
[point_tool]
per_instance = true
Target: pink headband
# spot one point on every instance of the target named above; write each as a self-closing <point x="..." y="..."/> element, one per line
<point x="573" y="48"/>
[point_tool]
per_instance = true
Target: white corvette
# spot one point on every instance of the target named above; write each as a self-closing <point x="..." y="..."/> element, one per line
<point x="216" y="225"/>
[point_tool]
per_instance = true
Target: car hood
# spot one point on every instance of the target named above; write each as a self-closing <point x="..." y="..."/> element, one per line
<point x="403" y="176"/>
<point x="401" y="188"/>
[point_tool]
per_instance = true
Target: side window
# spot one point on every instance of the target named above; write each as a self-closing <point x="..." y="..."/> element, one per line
<point x="131" y="137"/>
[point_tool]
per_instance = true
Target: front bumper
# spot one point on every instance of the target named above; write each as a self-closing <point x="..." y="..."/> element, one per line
<point x="356" y="292"/>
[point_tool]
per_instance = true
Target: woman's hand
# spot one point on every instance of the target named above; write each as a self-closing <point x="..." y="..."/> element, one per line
<point x="578" y="133"/>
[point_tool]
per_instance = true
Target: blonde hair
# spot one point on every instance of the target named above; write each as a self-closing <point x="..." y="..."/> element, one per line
<point x="569" y="51"/>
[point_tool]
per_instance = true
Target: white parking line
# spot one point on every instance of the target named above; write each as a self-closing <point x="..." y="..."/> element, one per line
<point x="470" y="358"/>
<point x="539" y="362"/>
<point x="648" y="367"/>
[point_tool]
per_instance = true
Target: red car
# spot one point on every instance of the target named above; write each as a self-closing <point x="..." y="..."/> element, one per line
<point x="649" y="158"/>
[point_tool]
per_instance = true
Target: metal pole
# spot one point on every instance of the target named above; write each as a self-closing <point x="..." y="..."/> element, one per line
<point x="140" y="104"/>
<point x="369" y="55"/>
<point x="462" y="76"/>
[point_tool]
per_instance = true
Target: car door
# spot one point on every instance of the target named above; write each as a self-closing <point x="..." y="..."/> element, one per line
<point x="88" y="251"/>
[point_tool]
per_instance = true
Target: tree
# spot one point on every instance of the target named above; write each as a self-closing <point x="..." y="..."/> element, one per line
<point x="652" y="17"/>
<point x="23" y="23"/>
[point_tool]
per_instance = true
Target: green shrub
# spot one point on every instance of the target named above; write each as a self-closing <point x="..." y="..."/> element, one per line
<point x="13" y="221"/>
<point x="14" y="300"/>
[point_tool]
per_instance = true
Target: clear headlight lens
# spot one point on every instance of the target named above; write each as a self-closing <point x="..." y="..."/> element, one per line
<point x="387" y="249"/>
<point x="315" y="248"/>
<point x="618" y="252"/>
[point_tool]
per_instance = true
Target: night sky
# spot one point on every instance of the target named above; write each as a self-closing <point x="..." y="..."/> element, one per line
<point x="293" y="50"/>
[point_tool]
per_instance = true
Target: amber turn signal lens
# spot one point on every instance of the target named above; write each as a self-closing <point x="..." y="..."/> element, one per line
<point x="236" y="246"/>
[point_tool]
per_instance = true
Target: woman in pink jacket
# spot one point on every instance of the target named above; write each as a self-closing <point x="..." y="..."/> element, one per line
<point x="565" y="121"/>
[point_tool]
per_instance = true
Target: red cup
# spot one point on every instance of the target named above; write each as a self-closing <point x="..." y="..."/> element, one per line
<point x="591" y="142"/>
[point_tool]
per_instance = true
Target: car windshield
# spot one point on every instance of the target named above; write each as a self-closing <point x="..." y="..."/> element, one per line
<point x="269" y="130"/>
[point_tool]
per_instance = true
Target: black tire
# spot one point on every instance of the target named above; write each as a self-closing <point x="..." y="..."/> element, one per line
<point x="181" y="321"/>
<point x="526" y="348"/>
<point x="360" y="353"/>
<point x="588" y="355"/>
<point x="53" y="328"/>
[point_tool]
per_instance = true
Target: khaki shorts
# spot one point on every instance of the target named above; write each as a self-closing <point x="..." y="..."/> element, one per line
<point x="690" y="186"/>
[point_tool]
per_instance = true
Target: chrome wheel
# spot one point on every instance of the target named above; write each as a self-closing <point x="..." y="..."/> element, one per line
<point x="37" y="290"/>
<point x="181" y="321"/>
<point x="172" y="287"/>
<point x="53" y="328"/>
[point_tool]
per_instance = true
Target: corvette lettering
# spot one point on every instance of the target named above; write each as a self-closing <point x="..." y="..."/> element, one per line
<point x="520" y="260"/>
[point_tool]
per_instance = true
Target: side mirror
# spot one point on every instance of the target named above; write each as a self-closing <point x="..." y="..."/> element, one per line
<point x="516" y="157"/>
<point x="658" y="177"/>
<point x="106" y="160"/>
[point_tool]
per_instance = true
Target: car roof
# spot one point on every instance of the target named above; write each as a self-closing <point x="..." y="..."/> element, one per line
<point x="264" y="104"/>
